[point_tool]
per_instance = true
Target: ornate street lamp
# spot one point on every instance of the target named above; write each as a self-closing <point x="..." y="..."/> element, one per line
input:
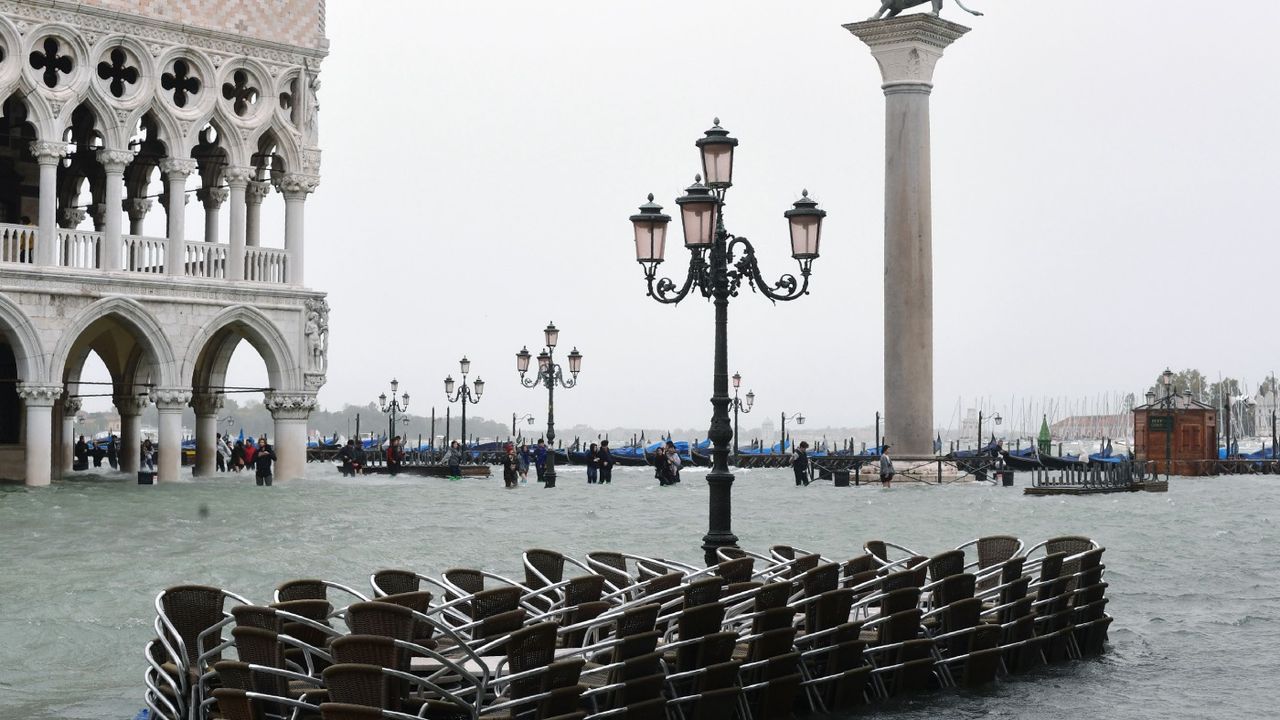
<point x="515" y="418"/>
<point x="393" y="407"/>
<point x="719" y="263"/>
<point x="799" y="418"/>
<point x="464" y="395"/>
<point x="740" y="404"/>
<point x="550" y="374"/>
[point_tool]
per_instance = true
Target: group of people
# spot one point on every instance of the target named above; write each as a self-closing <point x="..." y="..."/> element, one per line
<point x="666" y="464"/>
<point x="599" y="464"/>
<point x="82" y="452"/>
<point x="803" y="470"/>
<point x="246" y="454"/>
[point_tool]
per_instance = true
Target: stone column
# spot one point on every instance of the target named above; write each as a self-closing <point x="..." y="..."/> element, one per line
<point x="237" y="179"/>
<point x="130" y="408"/>
<point x="137" y="208"/>
<point x="212" y="199"/>
<point x="38" y="403"/>
<point x="295" y="189"/>
<point x="177" y="170"/>
<point x="113" y="163"/>
<point x="48" y="155"/>
<point x="170" y="402"/>
<point x="70" y="407"/>
<point x="206" y="406"/>
<point x="291" y="410"/>
<point x="255" y="193"/>
<point x="907" y="49"/>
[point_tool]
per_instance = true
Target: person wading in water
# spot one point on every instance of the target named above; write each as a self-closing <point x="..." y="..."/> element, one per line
<point x="886" y="467"/>
<point x="800" y="464"/>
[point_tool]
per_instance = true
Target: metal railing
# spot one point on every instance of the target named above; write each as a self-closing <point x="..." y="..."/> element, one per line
<point x="79" y="249"/>
<point x="267" y="265"/>
<point x="17" y="244"/>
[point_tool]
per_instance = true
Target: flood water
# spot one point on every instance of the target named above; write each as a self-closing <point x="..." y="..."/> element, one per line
<point x="1194" y="574"/>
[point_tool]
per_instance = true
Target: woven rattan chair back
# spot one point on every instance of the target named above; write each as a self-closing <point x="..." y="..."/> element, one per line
<point x="234" y="704"/>
<point x="304" y="589"/>
<point x="786" y="552"/>
<point x="583" y="589"/>
<point x="465" y="579"/>
<point x="772" y="643"/>
<point x="233" y="674"/>
<point x="878" y="549"/>
<point x="192" y="609"/>
<point x="741" y="588"/>
<point x="772" y="595"/>
<point x="737" y="570"/>
<point x="821" y="579"/>
<point x="258" y="646"/>
<point x="582" y="614"/>
<point x="961" y="615"/>
<point x="613" y="566"/>
<point x="532" y="647"/>
<point x="898" y="600"/>
<point x="900" y="626"/>
<point x="714" y="649"/>
<point x="366" y="650"/>
<point x="700" y="620"/>
<point x="946" y="564"/>
<point x="256" y="616"/>
<point x="830" y="610"/>
<point x="380" y="618"/>
<point x="637" y="619"/>
<point x="549" y="564"/>
<point x="357" y="684"/>
<point x="496" y="626"/>
<point x="859" y="564"/>
<point x="703" y="591"/>
<point x="995" y="549"/>
<point x="1069" y="544"/>
<point x="487" y="603"/>
<point x="418" y="601"/>
<point x="803" y="564"/>
<point x="899" y="580"/>
<point x="655" y="584"/>
<point x="395" y="582"/>
<point x="636" y="645"/>
<point x="953" y="588"/>
<point x="772" y="619"/>
<point x="313" y="609"/>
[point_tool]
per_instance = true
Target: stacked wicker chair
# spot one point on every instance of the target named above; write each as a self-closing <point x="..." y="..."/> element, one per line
<point x="757" y="636"/>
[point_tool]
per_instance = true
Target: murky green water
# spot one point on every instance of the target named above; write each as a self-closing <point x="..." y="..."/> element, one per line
<point x="1195" y="573"/>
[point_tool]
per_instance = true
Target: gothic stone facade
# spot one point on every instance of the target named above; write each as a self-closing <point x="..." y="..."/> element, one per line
<point x="116" y="109"/>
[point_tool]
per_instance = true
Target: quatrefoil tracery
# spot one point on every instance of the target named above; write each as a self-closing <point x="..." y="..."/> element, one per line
<point x="182" y="82"/>
<point x="51" y="62"/>
<point x="118" y="71"/>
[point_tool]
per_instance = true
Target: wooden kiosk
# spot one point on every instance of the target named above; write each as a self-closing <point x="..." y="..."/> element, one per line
<point x="1177" y="435"/>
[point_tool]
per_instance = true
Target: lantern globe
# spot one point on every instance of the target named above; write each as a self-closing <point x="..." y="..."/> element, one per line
<point x="717" y="147"/>
<point x="551" y="335"/>
<point x="737" y="380"/>
<point x="479" y="388"/>
<point x="575" y="362"/>
<point x="522" y="360"/>
<point x="650" y="226"/>
<point x="698" y="212"/>
<point x="805" y="224"/>
<point x="465" y="364"/>
<point x="448" y="385"/>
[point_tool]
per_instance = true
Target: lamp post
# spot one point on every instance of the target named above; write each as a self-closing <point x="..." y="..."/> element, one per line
<point x="514" y="419"/>
<point x="550" y="374"/>
<point x="463" y="395"/>
<point x="879" y="447"/>
<point x="717" y="274"/>
<point x="1166" y="381"/>
<point x="393" y="407"/>
<point x="799" y="418"/>
<point x="997" y="419"/>
<point x="740" y="404"/>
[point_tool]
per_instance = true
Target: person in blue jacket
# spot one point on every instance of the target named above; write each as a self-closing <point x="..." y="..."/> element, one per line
<point x="540" y="460"/>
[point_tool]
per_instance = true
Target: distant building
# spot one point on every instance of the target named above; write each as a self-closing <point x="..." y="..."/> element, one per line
<point x="1266" y="406"/>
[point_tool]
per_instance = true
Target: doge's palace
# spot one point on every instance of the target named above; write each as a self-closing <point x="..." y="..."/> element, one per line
<point x="116" y="109"/>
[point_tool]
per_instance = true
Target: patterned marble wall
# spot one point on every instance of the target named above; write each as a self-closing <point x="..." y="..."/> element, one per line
<point x="293" y="22"/>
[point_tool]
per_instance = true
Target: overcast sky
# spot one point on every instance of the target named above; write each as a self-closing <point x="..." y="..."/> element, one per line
<point x="1104" y="181"/>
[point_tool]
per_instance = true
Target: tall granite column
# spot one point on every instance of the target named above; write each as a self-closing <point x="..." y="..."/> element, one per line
<point x="907" y="49"/>
<point x="130" y="408"/>
<point x="170" y="403"/>
<point x="206" y="406"/>
<point x="38" y="402"/>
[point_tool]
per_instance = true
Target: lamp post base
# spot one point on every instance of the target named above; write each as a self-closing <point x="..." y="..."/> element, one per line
<point x="719" y="535"/>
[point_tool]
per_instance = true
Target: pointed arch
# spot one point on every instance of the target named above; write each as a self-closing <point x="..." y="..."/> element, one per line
<point x="205" y="362"/>
<point x="25" y="341"/>
<point x="285" y="144"/>
<point x="147" y="333"/>
<point x="39" y="114"/>
<point x="107" y="123"/>
<point x="168" y="131"/>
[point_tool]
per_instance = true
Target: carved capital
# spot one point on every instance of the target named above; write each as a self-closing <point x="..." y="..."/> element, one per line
<point x="257" y="191"/>
<point x="170" y="399"/>
<point x="177" y="166"/>
<point x="71" y="406"/>
<point x="237" y="176"/>
<point x="131" y="405"/>
<point x="907" y="48"/>
<point x="314" y="381"/>
<point x="206" y="404"/>
<point x="295" y="186"/>
<point x="71" y="217"/>
<point x="291" y="405"/>
<point x="48" y="152"/>
<point x="39" y="395"/>
<point x="115" y="161"/>
<point x="213" y="197"/>
<point x="137" y="207"/>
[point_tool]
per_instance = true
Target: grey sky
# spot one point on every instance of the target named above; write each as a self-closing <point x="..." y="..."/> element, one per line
<point x="1104" y="182"/>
